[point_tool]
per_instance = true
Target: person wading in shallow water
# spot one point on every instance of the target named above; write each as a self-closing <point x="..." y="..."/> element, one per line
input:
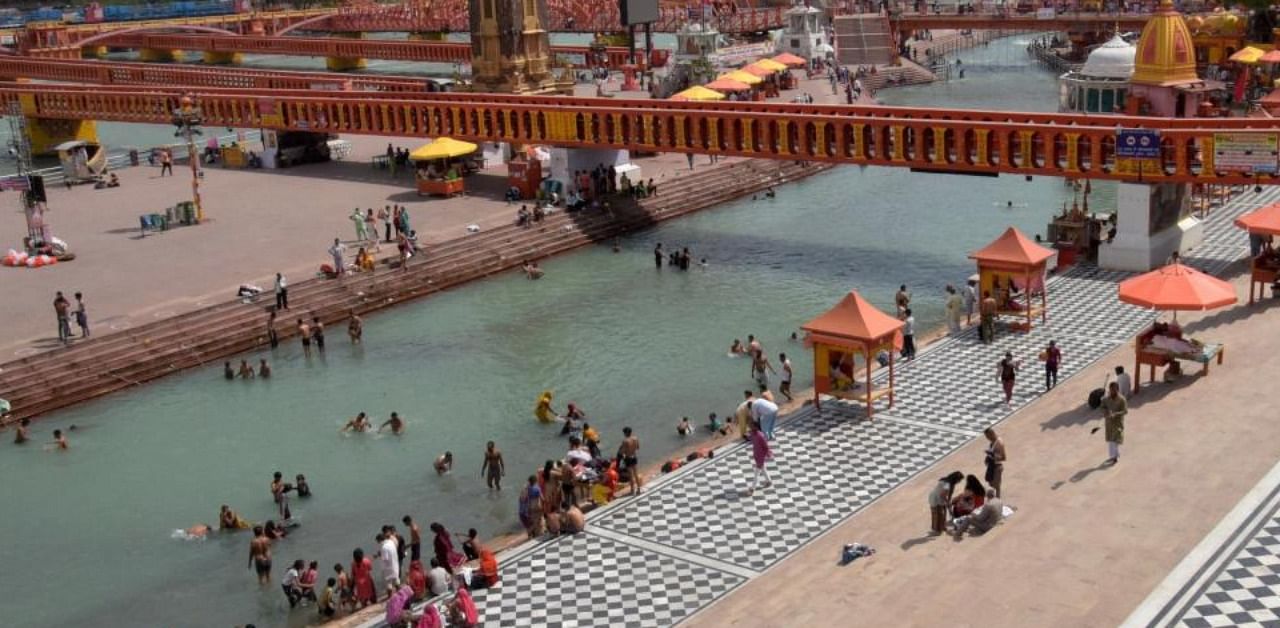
<point x="493" y="468"/>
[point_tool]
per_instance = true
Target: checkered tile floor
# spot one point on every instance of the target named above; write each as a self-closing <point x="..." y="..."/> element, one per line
<point x="694" y="536"/>
<point x="1247" y="591"/>
<point x="588" y="580"/>
<point x="827" y="466"/>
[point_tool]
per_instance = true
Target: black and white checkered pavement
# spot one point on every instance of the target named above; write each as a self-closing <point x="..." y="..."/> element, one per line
<point x="827" y="465"/>
<point x="589" y="580"/>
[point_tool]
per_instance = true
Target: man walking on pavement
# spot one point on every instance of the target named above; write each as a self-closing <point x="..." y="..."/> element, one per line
<point x="282" y="293"/>
<point x="1114" y="407"/>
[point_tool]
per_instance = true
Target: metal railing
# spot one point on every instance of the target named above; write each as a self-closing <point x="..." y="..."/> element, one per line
<point x="120" y="159"/>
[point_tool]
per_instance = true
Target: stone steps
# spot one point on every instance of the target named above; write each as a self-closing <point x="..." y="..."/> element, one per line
<point x="863" y="40"/>
<point x="115" y="361"/>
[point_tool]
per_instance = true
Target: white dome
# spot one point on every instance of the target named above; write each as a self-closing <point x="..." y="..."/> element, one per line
<point x="1113" y="59"/>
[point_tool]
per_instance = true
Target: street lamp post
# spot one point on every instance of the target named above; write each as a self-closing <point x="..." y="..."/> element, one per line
<point x="188" y="117"/>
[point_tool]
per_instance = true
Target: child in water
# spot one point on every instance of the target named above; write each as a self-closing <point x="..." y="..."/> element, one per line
<point x="301" y="487"/>
<point x="683" y="428"/>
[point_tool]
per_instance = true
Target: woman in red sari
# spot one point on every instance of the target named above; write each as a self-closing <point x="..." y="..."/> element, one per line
<point x="362" y="574"/>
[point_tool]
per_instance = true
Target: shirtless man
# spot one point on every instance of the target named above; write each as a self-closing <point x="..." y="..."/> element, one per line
<point x="228" y="519"/>
<point x="753" y="345"/>
<point x="358" y="424"/>
<point x="444" y="463"/>
<point x="264" y="370"/>
<point x="396" y="423"/>
<point x="246" y="371"/>
<point x="317" y="333"/>
<point x="304" y="333"/>
<point x="415" y="538"/>
<point x="628" y="451"/>
<point x="59" y="441"/>
<point x="493" y="467"/>
<point x="24" y="432"/>
<point x="278" y="490"/>
<point x="260" y="555"/>
<point x="355" y="328"/>
<point x="227" y="372"/>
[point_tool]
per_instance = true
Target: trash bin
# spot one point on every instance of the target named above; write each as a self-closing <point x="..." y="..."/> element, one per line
<point x="169" y="214"/>
<point x="133" y="157"/>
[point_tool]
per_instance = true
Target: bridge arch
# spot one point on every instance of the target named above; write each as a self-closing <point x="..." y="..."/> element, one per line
<point x="303" y="24"/>
<point x="152" y="29"/>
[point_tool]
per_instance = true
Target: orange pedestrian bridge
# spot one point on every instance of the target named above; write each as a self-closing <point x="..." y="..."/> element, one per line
<point x="1060" y="22"/>
<point x="935" y="140"/>
<point x="227" y="45"/>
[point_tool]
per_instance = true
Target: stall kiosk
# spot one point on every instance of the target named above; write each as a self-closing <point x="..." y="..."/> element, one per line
<point x="525" y="175"/>
<point x="1013" y="260"/>
<point x="433" y="171"/>
<point x="1262" y="224"/>
<point x="853" y="327"/>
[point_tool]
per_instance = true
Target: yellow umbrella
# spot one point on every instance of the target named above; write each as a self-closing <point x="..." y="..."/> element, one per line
<point x="698" y="92"/>
<point x="743" y="77"/>
<point x="770" y="64"/>
<point x="443" y="148"/>
<point x="1248" y="54"/>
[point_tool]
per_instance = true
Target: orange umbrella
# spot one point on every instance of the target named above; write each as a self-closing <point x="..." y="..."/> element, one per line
<point x="755" y="70"/>
<point x="1272" y="56"/>
<point x="1265" y="221"/>
<point x="728" y="85"/>
<point x="1177" y="287"/>
<point x="791" y="60"/>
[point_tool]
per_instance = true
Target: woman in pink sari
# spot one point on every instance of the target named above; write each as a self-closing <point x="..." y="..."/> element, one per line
<point x="448" y="557"/>
<point x="462" y="611"/>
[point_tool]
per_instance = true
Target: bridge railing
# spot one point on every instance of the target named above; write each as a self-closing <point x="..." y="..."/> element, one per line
<point x="1064" y="145"/>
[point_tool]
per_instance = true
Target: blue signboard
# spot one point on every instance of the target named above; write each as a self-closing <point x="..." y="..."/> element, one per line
<point x="1138" y="143"/>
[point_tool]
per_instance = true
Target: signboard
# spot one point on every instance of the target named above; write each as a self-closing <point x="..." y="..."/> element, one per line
<point x="1245" y="152"/>
<point x="1128" y="166"/>
<point x="1137" y="144"/>
<point x="638" y="11"/>
<point x="741" y="53"/>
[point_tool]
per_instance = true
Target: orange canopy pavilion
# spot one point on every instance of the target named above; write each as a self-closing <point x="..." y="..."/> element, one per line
<point x="852" y="327"/>
<point x="1265" y="267"/>
<point x="1013" y="266"/>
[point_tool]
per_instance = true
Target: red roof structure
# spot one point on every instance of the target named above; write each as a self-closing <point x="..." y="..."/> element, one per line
<point x="853" y="321"/>
<point x="1014" y="249"/>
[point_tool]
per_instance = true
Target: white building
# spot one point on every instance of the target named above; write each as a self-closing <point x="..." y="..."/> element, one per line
<point x="1102" y="84"/>
<point x="804" y="34"/>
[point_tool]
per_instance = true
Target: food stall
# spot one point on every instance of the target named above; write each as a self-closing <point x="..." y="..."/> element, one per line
<point x="728" y="85"/>
<point x="437" y="172"/>
<point x="1012" y="269"/>
<point x="750" y="79"/>
<point x="1174" y="287"/>
<point x="853" y="327"/>
<point x="1263" y="223"/>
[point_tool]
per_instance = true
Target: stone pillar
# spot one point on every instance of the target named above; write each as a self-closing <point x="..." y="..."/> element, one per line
<point x="45" y="134"/>
<point x="160" y="56"/>
<point x="1154" y="220"/>
<point x="344" y="64"/>
<point x="212" y="57"/>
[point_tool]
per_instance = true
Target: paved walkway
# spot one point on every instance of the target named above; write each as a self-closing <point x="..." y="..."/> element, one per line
<point x="692" y="538"/>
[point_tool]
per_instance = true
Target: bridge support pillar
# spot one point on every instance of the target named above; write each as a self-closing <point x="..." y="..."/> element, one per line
<point x="566" y="161"/>
<point x="94" y="52"/>
<point x="344" y="64"/>
<point x="160" y="56"/>
<point x="44" y="134"/>
<point x="1153" y="222"/>
<point x="212" y="57"/>
<point x="427" y="37"/>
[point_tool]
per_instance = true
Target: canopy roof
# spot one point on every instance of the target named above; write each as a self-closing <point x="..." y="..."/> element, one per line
<point x="771" y="65"/>
<point x="443" y="148"/>
<point x="790" y="60"/>
<point x="1248" y="54"/>
<point x="1265" y="220"/>
<point x="1177" y="287"/>
<point x="1012" y="247"/>
<point x="743" y="77"/>
<point x="853" y="318"/>
<point x="1272" y="56"/>
<point x="698" y="92"/>
<point x="725" y="84"/>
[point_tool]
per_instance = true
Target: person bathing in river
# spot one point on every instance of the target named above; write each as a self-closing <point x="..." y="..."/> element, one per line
<point x="396" y="424"/>
<point x="444" y="463"/>
<point x="737" y="348"/>
<point x="246" y="371"/>
<point x="358" y="424"/>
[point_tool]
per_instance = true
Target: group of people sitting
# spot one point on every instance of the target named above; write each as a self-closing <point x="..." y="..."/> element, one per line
<point x="111" y="181"/>
<point x="639" y="189"/>
<point x="976" y="507"/>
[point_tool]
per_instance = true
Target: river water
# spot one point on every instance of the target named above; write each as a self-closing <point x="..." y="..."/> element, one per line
<point x="88" y="532"/>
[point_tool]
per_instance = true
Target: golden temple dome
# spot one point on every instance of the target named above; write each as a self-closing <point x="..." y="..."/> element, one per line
<point x="1165" y="53"/>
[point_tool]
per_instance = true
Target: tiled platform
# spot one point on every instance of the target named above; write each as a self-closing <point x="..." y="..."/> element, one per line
<point x="693" y="536"/>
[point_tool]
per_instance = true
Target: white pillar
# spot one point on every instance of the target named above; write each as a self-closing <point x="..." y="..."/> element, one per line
<point x="1154" y="220"/>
